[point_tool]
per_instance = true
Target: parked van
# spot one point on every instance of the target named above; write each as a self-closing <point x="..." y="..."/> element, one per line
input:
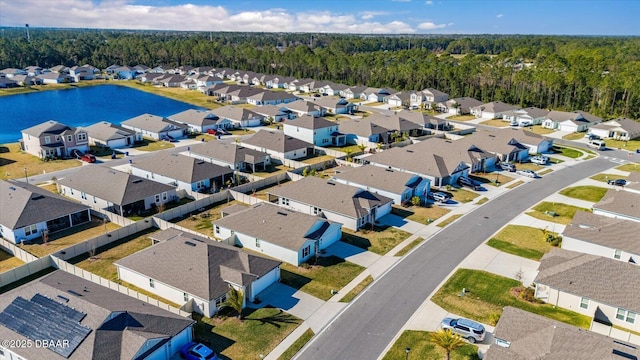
<point x="597" y="144"/>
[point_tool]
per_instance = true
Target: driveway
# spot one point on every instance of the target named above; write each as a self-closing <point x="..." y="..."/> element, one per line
<point x="293" y="301"/>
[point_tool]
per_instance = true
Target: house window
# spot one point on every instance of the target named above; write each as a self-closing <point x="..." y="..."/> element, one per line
<point x="316" y="211"/>
<point x="83" y="195"/>
<point x="284" y="201"/>
<point x="217" y="229"/>
<point x="306" y="251"/>
<point x="31" y="229"/>
<point x="626" y="315"/>
<point x="164" y="196"/>
<point x="47" y="140"/>
<point x="69" y="138"/>
<point x="82" y="137"/>
<point x="152" y="283"/>
<point x="158" y="198"/>
<point x="185" y="297"/>
<point x="199" y="184"/>
<point x="257" y="243"/>
<point x="617" y="254"/>
<point x="584" y="303"/>
<point x="94" y="200"/>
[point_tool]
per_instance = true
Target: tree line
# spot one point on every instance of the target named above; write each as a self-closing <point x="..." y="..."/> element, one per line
<point x="595" y="74"/>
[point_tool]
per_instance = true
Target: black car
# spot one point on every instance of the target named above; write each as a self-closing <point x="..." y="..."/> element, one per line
<point x="617" y="182"/>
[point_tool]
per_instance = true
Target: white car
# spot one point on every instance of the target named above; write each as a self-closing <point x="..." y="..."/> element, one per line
<point x="540" y="160"/>
<point x="527" y="173"/>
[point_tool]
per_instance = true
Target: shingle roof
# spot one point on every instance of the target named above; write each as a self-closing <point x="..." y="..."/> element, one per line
<point x="273" y="95"/>
<point x="418" y="162"/>
<point x="286" y="228"/>
<point x="620" y="202"/>
<point x="394" y="122"/>
<point x="271" y="110"/>
<point x="310" y="122"/>
<point x="50" y="127"/>
<point x="594" y="277"/>
<point x="361" y="127"/>
<point x="496" y="107"/>
<point x="181" y="167"/>
<point x="326" y="195"/>
<point x="107" y="131"/>
<point x="198" y="265"/>
<point x="195" y="117"/>
<point x="456" y="150"/>
<point x="276" y="141"/>
<point x="114" y="186"/>
<point x="377" y="177"/>
<point x="557" y="115"/>
<point x="535" y="337"/>
<point x="434" y="92"/>
<point x="302" y="105"/>
<point x="606" y="231"/>
<point x="23" y="204"/>
<point x="465" y="103"/>
<point x="229" y="153"/>
<point x="235" y="113"/>
<point x="153" y="123"/>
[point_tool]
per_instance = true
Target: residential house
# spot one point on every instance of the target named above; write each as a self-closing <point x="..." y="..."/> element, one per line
<point x="26" y="80"/>
<point x="492" y="110"/>
<point x="332" y="105"/>
<point x="622" y="129"/>
<point x="115" y="191"/>
<point x="619" y="204"/>
<point x="155" y="127"/>
<point x="530" y="115"/>
<point x="353" y="207"/>
<point x="458" y="106"/>
<point x="151" y="77"/>
<point x="296" y="85"/>
<point x="54" y="78"/>
<point x="400" y="99"/>
<point x="354" y="92"/>
<point x="397" y="124"/>
<point x="197" y="272"/>
<point x="236" y="157"/>
<point x="576" y="121"/>
<point x="274" y="113"/>
<point x="53" y="139"/>
<point x="199" y="121"/>
<point x="333" y="89"/>
<point x="173" y="80"/>
<point x="109" y="70"/>
<point x="33" y="70"/>
<point x="187" y="173"/>
<point x="238" y="116"/>
<point x="603" y="236"/>
<point x="125" y="72"/>
<point x="377" y="95"/>
<point x="523" y="335"/>
<point x="11" y="72"/>
<point x="464" y="150"/>
<point x="109" y="135"/>
<point x="28" y="212"/>
<point x="440" y="169"/>
<point x="6" y="83"/>
<point x="315" y="130"/>
<point x="601" y="288"/>
<point x="426" y="122"/>
<point x="91" y="321"/>
<point x="303" y="107"/>
<point x="633" y="182"/>
<point x="221" y="90"/>
<point x="60" y="69"/>
<point x="365" y="132"/>
<point x="204" y="81"/>
<point x="399" y="186"/>
<point x="271" y="98"/>
<point x="314" y="86"/>
<point x="427" y="98"/>
<point x="188" y="84"/>
<point x="278" y="145"/>
<point x="283" y="234"/>
<point x="501" y="143"/>
<point x="536" y="143"/>
<point x="81" y="73"/>
<point x="141" y="69"/>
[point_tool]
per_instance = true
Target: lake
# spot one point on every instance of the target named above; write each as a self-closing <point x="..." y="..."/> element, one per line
<point x="80" y="107"/>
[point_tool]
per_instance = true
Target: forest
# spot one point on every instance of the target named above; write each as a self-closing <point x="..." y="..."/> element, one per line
<point x="600" y="75"/>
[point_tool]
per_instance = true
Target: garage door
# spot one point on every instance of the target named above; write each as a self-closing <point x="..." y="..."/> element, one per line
<point x="270" y="278"/>
<point x="571" y="128"/>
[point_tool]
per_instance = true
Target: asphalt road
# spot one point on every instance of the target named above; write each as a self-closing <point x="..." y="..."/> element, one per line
<point x="370" y="323"/>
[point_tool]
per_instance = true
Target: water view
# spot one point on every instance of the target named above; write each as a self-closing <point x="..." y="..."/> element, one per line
<point x="80" y="107"/>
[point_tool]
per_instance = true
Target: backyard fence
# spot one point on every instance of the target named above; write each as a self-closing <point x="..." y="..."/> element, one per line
<point x="164" y="225"/>
<point x="16" y="251"/>
<point x="610" y="331"/>
<point x="25" y="270"/>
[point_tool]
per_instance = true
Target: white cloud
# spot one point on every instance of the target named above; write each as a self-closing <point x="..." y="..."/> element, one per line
<point x="125" y="14"/>
<point x="431" y="25"/>
<point x="428" y="2"/>
<point x="499" y="16"/>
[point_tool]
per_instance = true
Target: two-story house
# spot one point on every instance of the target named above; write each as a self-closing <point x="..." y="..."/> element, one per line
<point x="52" y="139"/>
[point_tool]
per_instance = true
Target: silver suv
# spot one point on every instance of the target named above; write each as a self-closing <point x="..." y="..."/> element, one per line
<point x="468" y="329"/>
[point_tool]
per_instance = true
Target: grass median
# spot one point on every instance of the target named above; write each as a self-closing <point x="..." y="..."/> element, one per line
<point x="524" y="241"/>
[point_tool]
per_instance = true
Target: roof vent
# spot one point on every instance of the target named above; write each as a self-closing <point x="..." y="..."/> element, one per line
<point x="74" y="293"/>
<point x="37" y="197"/>
<point x="137" y="181"/>
<point x="190" y="243"/>
<point x="63" y="298"/>
<point x="199" y="162"/>
<point x="410" y="151"/>
<point x="279" y="213"/>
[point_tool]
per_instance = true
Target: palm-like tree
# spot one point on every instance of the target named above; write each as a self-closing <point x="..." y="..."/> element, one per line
<point x="447" y="340"/>
<point x="235" y="300"/>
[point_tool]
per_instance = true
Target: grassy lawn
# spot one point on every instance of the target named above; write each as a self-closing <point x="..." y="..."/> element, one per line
<point x="567" y="151"/>
<point x="545" y="171"/>
<point x="605" y="177"/>
<point x="240" y="131"/>
<point x="524" y="241"/>
<point x="448" y="220"/>
<point x="529" y="166"/>
<point x="629" y="167"/>
<point x="517" y="183"/>
<point x="375" y="104"/>
<point x="257" y="334"/>
<point x="336" y="117"/>
<point x="486" y="295"/>
<point x="564" y="213"/>
<point x="314" y="159"/>
<point x="357" y="289"/>
<point x="8" y="261"/>
<point x="421" y="214"/>
<point x="538" y="129"/>
<point x="154" y="210"/>
<point x="553" y="160"/>
<point x="65" y="238"/>
<point x="422" y="348"/>
<point x="461" y="195"/>
<point x="482" y="201"/>
<point x="631" y="145"/>
<point x="272" y="170"/>
<point x="496" y="123"/>
<point x="462" y="117"/>
<point x="189" y="96"/>
<point x="379" y="240"/>
<point x="490" y="178"/>
<point x="587" y="193"/>
<point x="573" y="136"/>
<point x="345" y="149"/>
<point x="409" y="247"/>
<point x="297" y="345"/>
<point x="201" y="221"/>
<point x="13" y="163"/>
<point x="318" y="280"/>
<point x="152" y="145"/>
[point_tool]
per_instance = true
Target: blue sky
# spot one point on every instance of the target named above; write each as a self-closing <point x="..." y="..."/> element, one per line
<point x="559" y="17"/>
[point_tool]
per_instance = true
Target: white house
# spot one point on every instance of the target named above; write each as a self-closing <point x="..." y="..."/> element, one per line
<point x="53" y="139"/>
<point x="155" y="127"/>
<point x="303" y="107"/>
<point x="186" y="268"/>
<point x="530" y="115"/>
<point x="427" y="98"/>
<point x="199" y="121"/>
<point x="283" y="234"/>
<point x="576" y="121"/>
<point x="348" y="205"/>
<point x="109" y="135"/>
<point x="239" y="117"/>
<point x="492" y="110"/>
<point x="458" y="106"/>
<point x="618" y="129"/>
<point x="271" y="98"/>
<point x="315" y="130"/>
<point x="239" y="158"/>
<point x="365" y="132"/>
<point x="278" y="145"/>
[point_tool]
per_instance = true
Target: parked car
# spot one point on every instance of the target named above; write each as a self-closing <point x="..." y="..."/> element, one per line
<point x="316" y="95"/>
<point x="597" y="144"/>
<point x="88" y="158"/>
<point x="414" y="107"/>
<point x="465" y="181"/>
<point x="513" y="123"/>
<point x="617" y="182"/>
<point x="526" y="123"/>
<point x="592" y="137"/>
<point x="211" y="132"/>
<point x="527" y="173"/>
<point x="468" y="329"/>
<point x="540" y="160"/>
<point x="197" y="351"/>
<point x="441" y="197"/>
<point x="507" y="166"/>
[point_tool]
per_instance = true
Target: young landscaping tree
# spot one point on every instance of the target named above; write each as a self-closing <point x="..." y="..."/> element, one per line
<point x="415" y="201"/>
<point x="447" y="340"/>
<point x="235" y="300"/>
<point x="361" y="147"/>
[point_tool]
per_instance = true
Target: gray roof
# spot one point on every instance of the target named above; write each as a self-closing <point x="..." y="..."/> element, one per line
<point x="276" y="141"/>
<point x="418" y="162"/>
<point x="273" y="95"/>
<point x="631" y="126"/>
<point x="114" y="186"/>
<point x="235" y="113"/>
<point x="557" y="115"/>
<point x="535" y="337"/>
<point x="195" y="117"/>
<point x="588" y="117"/>
<point x="344" y="199"/>
<point x="620" y="202"/>
<point x="228" y="153"/>
<point x="181" y="167"/>
<point x="50" y="127"/>
<point x="395" y="122"/>
<point x="361" y="127"/>
<point x="606" y="231"/>
<point x="522" y="136"/>
<point x="197" y="265"/>
<point x="376" y="177"/>
<point x="497" y="142"/>
<point x="497" y="106"/>
<point x="271" y="110"/>
<point x="331" y="102"/>
<point x="310" y="122"/>
<point x="107" y="131"/>
<point x="434" y="92"/>
<point x="535" y="112"/>
<point x="357" y="89"/>
<point x="302" y="105"/>
<point x="23" y="204"/>
<point x="153" y="123"/>
<point x="591" y="276"/>
<point x="129" y="317"/>
<point x="466" y="103"/>
<point x="286" y="228"/>
<point x="420" y="118"/>
<point x="456" y="150"/>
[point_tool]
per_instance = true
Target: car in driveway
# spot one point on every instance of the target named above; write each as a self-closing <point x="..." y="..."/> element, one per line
<point x="440" y="197"/>
<point x="527" y="173"/>
<point x="617" y="182"/>
<point x="468" y="329"/>
<point x="88" y="158"/>
<point x="196" y="351"/>
<point x="540" y="160"/>
<point x="465" y="181"/>
<point x="507" y="166"/>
